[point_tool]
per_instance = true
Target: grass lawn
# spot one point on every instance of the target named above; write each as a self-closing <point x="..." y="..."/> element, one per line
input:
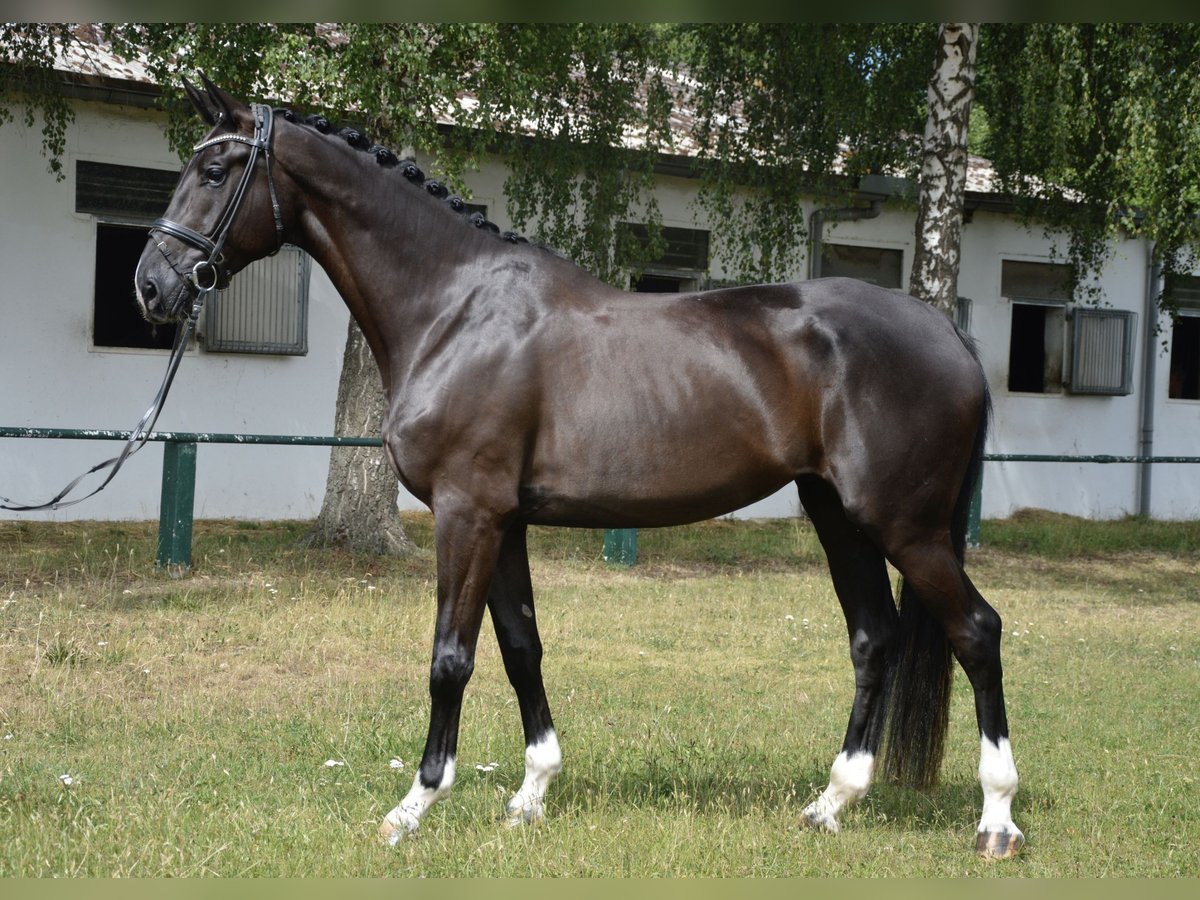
<point x="260" y="716"/>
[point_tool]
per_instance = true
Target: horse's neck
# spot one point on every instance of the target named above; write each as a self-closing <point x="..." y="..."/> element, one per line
<point x="370" y="234"/>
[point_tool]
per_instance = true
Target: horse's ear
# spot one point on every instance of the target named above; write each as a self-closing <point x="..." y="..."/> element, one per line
<point x="213" y="104"/>
<point x="203" y="104"/>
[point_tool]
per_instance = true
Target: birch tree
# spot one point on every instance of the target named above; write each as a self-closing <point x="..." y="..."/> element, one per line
<point x="942" y="181"/>
<point x="359" y="508"/>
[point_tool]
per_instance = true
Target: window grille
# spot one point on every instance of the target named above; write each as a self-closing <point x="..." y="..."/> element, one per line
<point x="1102" y="351"/>
<point x="962" y="314"/>
<point x="127" y="192"/>
<point x="264" y="310"/>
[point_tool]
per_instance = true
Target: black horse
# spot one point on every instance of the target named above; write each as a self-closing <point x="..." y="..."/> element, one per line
<point x="521" y="390"/>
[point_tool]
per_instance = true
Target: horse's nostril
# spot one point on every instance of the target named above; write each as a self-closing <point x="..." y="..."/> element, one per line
<point x="149" y="290"/>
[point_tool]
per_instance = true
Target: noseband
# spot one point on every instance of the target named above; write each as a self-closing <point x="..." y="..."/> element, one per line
<point x="212" y="273"/>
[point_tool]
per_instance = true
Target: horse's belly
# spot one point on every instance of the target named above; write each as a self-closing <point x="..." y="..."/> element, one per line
<point x="667" y="485"/>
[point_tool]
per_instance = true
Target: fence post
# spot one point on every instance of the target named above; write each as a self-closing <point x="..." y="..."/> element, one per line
<point x="175" y="508"/>
<point x="620" y="546"/>
<point x="975" y="513"/>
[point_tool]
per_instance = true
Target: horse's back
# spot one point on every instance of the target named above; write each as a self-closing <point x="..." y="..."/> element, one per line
<point x="670" y="407"/>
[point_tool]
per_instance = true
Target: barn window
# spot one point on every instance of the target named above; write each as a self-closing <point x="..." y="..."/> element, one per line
<point x="1039" y="293"/>
<point x="1184" y="379"/>
<point x="681" y="266"/>
<point x="124" y="200"/>
<point x="265" y="310"/>
<point x="876" y="265"/>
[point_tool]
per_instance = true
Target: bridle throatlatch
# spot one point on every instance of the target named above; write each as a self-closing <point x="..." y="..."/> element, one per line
<point x="206" y="276"/>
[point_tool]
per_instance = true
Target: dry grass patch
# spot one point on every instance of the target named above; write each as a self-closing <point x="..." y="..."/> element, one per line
<point x="700" y="698"/>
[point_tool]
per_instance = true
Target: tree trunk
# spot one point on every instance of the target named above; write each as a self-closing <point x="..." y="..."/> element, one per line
<point x="943" y="177"/>
<point x="359" y="511"/>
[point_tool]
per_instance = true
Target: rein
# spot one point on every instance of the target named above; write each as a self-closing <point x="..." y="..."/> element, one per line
<point x="206" y="276"/>
<point x="141" y="431"/>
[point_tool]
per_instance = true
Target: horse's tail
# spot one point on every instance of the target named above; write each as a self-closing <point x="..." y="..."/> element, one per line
<point x="921" y="666"/>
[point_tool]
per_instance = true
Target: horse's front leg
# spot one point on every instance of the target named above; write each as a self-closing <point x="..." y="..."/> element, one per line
<point x="468" y="541"/>
<point x="511" y="604"/>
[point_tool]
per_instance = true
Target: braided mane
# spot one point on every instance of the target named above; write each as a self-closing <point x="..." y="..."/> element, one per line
<point x="408" y="168"/>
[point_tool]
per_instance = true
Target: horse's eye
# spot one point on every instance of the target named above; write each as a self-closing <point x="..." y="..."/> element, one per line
<point x="214" y="175"/>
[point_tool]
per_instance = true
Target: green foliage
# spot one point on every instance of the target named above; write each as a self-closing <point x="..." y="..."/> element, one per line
<point x="28" y="52"/>
<point x="580" y="88"/>
<point x="1096" y="129"/>
<point x="1093" y="128"/>
<point x="596" y="98"/>
<point x="787" y="110"/>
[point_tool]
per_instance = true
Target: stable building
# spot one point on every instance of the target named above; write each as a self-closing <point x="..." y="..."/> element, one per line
<point x="1067" y="378"/>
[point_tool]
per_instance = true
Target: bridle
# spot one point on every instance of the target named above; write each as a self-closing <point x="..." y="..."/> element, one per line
<point x="206" y="276"/>
<point x="212" y="273"/>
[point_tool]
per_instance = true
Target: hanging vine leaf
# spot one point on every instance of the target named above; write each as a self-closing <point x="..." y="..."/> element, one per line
<point x="1096" y="129"/>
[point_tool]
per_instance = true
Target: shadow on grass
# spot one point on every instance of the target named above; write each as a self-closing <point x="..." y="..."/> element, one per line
<point x="741" y="790"/>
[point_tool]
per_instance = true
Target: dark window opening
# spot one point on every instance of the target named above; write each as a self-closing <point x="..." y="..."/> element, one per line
<point x="874" y="265"/>
<point x="680" y="266"/>
<point x="1035" y="349"/>
<point x="1039" y="293"/>
<point x="116" y="317"/>
<point x="657" y="284"/>
<point x="683" y="248"/>
<point x="1185" y="359"/>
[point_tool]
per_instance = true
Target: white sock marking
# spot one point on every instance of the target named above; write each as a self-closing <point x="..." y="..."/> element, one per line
<point x="849" y="779"/>
<point x="406" y="817"/>
<point x="998" y="776"/>
<point x="543" y="761"/>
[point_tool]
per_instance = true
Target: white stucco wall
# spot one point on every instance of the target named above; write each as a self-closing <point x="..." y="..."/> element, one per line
<point x="51" y="376"/>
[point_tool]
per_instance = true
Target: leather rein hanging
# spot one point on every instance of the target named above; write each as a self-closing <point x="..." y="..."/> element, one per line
<point x="206" y="276"/>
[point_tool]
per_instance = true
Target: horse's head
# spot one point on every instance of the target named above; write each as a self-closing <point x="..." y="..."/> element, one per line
<point x="224" y="214"/>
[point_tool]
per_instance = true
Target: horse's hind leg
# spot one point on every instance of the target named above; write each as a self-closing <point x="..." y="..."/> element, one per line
<point x="510" y="601"/>
<point x="937" y="579"/>
<point x="860" y="579"/>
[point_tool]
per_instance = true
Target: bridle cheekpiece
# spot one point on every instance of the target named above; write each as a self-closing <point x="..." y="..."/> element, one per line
<point x="211" y="273"/>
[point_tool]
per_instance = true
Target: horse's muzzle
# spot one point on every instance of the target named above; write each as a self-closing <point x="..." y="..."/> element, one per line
<point x="161" y="304"/>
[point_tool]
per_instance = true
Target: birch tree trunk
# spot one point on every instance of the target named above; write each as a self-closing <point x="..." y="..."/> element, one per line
<point x="359" y="510"/>
<point x="943" y="178"/>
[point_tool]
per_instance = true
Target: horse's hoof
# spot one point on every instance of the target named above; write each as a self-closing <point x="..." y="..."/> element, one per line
<point x="389" y="834"/>
<point x="816" y="820"/>
<point x="517" y="815"/>
<point x="999" y="844"/>
<point x="392" y="833"/>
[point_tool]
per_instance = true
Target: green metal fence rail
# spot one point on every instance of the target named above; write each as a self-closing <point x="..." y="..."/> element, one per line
<point x="179" y="473"/>
<point x="179" y="480"/>
<point x="1102" y="459"/>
